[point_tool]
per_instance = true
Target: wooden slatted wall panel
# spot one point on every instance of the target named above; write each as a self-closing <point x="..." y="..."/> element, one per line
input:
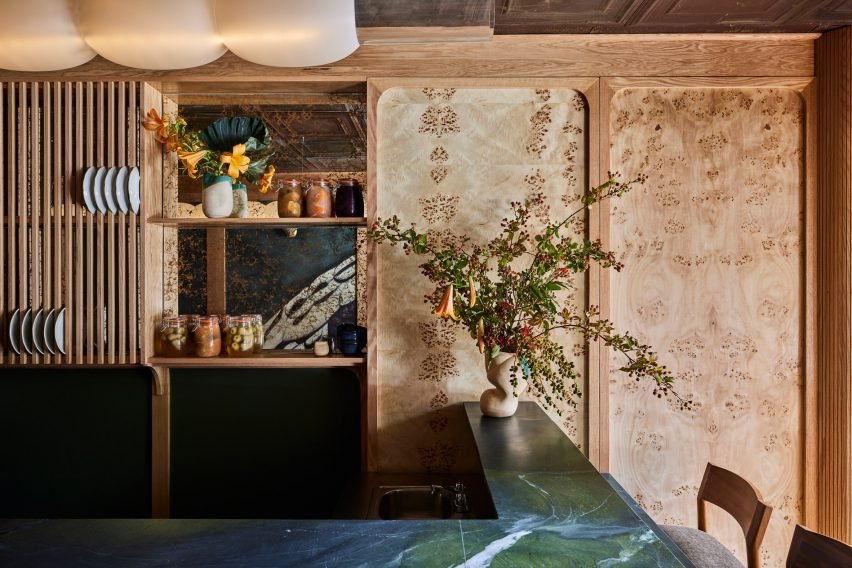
<point x="55" y="252"/>
<point x="834" y="270"/>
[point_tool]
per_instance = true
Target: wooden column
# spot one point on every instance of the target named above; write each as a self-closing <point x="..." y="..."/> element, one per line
<point x="833" y="515"/>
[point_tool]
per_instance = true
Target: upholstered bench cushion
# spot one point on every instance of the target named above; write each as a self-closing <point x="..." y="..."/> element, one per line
<point x="704" y="550"/>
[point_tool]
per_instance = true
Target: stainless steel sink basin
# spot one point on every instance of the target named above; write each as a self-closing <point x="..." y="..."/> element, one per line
<point x="420" y="496"/>
<point x="415" y="502"/>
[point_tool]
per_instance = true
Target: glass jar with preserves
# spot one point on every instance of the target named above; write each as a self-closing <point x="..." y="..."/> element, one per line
<point x="239" y="339"/>
<point x="174" y="337"/>
<point x="257" y="326"/>
<point x="223" y="323"/>
<point x="290" y="198"/>
<point x="207" y="337"/>
<point x="348" y="199"/>
<point x="318" y="198"/>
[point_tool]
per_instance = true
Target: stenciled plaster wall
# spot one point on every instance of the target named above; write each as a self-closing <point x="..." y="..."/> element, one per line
<point x="713" y="279"/>
<point x="452" y="160"/>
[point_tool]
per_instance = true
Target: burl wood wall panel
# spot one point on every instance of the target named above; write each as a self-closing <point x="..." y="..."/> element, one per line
<point x="451" y="160"/>
<point x="714" y="280"/>
<point x="834" y="226"/>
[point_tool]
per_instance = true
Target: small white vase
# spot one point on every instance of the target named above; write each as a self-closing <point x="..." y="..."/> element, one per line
<point x="500" y="401"/>
<point x="217" y="197"/>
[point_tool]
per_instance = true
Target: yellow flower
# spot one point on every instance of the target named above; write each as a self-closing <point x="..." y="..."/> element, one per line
<point x="472" y="290"/>
<point x="445" y="307"/>
<point x="190" y="161"/>
<point x="157" y="125"/>
<point x="266" y="178"/>
<point x="237" y="161"/>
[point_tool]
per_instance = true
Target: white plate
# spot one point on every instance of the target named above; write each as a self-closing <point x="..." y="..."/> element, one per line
<point x="47" y="333"/>
<point x="133" y="189"/>
<point x="109" y="190"/>
<point x="38" y="331"/>
<point x="98" y="189"/>
<point x="14" y="333"/>
<point x="88" y="179"/>
<point x="25" y="331"/>
<point x="121" y="197"/>
<point x="59" y="331"/>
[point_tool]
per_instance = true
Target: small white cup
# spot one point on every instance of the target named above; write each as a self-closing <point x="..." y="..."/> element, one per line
<point x="321" y="348"/>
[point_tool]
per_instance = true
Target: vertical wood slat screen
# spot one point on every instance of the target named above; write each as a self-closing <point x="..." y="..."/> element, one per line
<point x="55" y="252"/>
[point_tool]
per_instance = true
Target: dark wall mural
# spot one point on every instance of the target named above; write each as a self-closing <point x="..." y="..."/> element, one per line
<point x="192" y="271"/>
<point x="304" y="286"/>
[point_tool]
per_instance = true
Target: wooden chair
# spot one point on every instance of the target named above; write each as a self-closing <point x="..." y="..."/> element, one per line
<point x="738" y="498"/>
<point x="813" y="550"/>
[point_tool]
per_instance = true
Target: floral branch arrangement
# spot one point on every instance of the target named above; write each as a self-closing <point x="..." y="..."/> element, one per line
<point x="232" y="146"/>
<point x="508" y="294"/>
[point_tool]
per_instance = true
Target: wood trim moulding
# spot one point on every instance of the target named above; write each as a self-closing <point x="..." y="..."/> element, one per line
<point x="152" y="235"/>
<point x="423" y="34"/>
<point x="708" y="55"/>
<point x="833" y="512"/>
<point x="160" y="443"/>
<point x="599" y="228"/>
<point x="369" y="384"/>
<point x="592" y="398"/>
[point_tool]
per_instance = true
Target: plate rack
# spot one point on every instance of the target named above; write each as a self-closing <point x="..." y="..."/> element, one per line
<point x="55" y="252"/>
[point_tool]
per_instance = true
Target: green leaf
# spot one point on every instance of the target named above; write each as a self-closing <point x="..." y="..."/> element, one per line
<point x="225" y="133"/>
<point x="255" y="170"/>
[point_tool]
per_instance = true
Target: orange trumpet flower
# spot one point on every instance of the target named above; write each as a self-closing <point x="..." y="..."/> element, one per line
<point x="157" y="125"/>
<point x="266" y="178"/>
<point x="190" y="161"/>
<point x="445" y="308"/>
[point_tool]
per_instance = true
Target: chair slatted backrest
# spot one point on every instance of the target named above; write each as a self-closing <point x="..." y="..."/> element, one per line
<point x="813" y="550"/>
<point x="741" y="500"/>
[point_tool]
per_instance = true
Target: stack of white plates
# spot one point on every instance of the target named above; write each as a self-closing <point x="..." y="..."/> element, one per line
<point x="111" y="189"/>
<point x="41" y="331"/>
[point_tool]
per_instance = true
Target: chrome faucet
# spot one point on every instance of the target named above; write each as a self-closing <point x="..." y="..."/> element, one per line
<point x="458" y="494"/>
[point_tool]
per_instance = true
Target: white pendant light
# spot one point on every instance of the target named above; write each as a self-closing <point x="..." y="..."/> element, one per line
<point x="40" y="35"/>
<point x="288" y="33"/>
<point x="152" y="34"/>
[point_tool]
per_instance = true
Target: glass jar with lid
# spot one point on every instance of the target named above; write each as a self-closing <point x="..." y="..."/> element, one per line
<point x="206" y="336"/>
<point x="257" y="326"/>
<point x="348" y="199"/>
<point x="290" y="198"/>
<point x="318" y="198"/>
<point x="174" y="337"/>
<point x="240" y="337"/>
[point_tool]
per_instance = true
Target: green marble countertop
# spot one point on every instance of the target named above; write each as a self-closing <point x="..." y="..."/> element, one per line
<point x="554" y="509"/>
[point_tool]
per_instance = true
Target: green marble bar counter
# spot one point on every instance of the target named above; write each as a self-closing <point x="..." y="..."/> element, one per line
<point x="553" y="507"/>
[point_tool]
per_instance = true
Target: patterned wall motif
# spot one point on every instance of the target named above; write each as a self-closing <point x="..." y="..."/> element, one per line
<point x="712" y="245"/>
<point x="451" y="160"/>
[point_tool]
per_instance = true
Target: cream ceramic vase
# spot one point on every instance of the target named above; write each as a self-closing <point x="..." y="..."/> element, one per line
<point x="217" y="197"/>
<point x="501" y="401"/>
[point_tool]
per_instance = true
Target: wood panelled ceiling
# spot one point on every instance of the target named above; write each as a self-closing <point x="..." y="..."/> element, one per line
<point x="669" y="16"/>
<point x="606" y="16"/>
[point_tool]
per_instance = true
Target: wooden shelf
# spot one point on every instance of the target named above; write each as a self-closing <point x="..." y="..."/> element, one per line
<point x="203" y="222"/>
<point x="267" y="359"/>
